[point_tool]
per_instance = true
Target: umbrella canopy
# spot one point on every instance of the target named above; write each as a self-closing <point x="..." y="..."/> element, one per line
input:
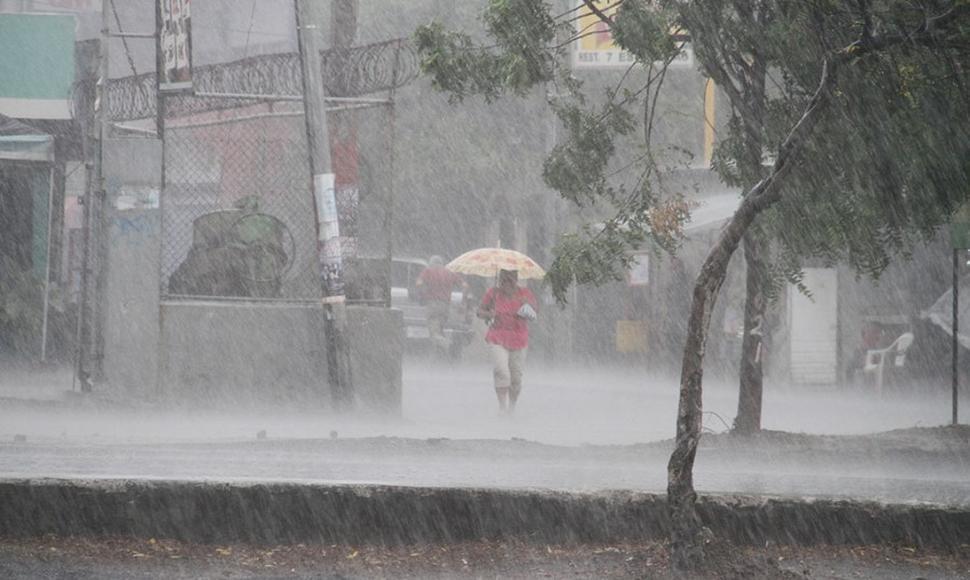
<point x="488" y="261"/>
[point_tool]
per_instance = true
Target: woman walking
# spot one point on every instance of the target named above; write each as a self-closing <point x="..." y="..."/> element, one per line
<point x="508" y="308"/>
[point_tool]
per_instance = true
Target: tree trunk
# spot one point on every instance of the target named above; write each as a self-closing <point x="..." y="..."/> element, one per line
<point x="686" y="542"/>
<point x="751" y="377"/>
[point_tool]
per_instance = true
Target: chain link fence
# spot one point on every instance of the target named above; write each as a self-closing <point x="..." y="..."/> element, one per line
<point x="237" y="210"/>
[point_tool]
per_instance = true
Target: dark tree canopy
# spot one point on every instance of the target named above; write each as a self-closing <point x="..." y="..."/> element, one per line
<point x="886" y="167"/>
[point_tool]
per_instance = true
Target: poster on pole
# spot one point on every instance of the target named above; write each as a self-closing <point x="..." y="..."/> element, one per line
<point x="328" y="238"/>
<point x="174" y="33"/>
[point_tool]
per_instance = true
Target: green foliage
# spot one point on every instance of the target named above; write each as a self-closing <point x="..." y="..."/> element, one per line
<point x="886" y="166"/>
<point x="890" y="164"/>
<point x="456" y="65"/>
<point x="590" y="258"/>
<point x="577" y="166"/>
<point x="520" y="60"/>
<point x="644" y="30"/>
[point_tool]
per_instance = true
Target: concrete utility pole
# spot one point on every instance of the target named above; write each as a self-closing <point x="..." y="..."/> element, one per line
<point x="89" y="348"/>
<point x="324" y="198"/>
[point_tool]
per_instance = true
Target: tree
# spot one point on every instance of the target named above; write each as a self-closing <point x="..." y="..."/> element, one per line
<point x="834" y="58"/>
<point x="743" y="46"/>
<point x="933" y="32"/>
<point x="730" y="40"/>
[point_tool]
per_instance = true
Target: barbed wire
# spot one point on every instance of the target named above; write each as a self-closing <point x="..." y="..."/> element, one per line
<point x="354" y="72"/>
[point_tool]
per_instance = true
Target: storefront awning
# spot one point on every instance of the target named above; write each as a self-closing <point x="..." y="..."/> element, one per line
<point x="21" y="142"/>
<point x="712" y="211"/>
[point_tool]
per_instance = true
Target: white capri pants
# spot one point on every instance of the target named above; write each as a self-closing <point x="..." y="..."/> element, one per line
<point x="507" y="367"/>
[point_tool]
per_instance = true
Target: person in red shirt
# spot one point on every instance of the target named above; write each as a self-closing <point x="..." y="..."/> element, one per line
<point x="434" y="286"/>
<point x="508" y="308"/>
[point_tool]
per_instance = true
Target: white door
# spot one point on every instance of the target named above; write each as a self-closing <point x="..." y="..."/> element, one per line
<point x="814" y="328"/>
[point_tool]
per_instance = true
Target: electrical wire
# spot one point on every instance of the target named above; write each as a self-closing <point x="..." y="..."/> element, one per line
<point x="124" y="41"/>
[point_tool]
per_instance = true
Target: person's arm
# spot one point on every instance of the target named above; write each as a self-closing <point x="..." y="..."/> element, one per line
<point x="530" y="297"/>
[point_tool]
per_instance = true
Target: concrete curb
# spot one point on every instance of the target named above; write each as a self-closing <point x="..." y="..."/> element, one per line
<point x="362" y="514"/>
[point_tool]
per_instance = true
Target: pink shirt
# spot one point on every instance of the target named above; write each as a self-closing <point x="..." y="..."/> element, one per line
<point x="507" y="329"/>
<point x="436" y="283"/>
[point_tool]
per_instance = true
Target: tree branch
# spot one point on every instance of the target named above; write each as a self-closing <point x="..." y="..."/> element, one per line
<point x="599" y="13"/>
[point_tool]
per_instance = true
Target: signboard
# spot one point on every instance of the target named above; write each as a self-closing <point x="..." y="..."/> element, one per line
<point x="36" y="65"/>
<point x="65" y="6"/>
<point x="595" y="47"/>
<point x="640" y="270"/>
<point x="173" y="27"/>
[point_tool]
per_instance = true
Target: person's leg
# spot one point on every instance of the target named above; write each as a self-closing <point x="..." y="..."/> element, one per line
<point x="516" y="368"/>
<point x="500" y="372"/>
<point x="437" y="319"/>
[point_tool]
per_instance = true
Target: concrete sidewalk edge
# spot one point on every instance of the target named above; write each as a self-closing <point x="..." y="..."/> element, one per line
<point x="372" y="514"/>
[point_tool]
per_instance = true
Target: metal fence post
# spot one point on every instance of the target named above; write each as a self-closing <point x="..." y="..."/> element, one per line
<point x="956" y="330"/>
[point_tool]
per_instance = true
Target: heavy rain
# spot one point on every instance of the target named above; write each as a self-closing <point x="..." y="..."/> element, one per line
<point x="484" y="289"/>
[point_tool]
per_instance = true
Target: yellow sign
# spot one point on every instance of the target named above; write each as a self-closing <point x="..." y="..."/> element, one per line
<point x="631" y="336"/>
<point x="595" y="47"/>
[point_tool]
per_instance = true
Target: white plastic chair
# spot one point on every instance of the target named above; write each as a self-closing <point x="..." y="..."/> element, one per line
<point x="876" y="359"/>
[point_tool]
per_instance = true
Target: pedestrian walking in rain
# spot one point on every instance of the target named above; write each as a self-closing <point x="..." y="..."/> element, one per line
<point x="508" y="308"/>
<point x="434" y="286"/>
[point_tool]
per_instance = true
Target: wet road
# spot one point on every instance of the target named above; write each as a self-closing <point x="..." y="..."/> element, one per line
<point x="576" y="429"/>
<point x="560" y="406"/>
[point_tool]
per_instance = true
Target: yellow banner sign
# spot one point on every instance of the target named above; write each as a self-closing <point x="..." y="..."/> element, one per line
<point x="595" y="47"/>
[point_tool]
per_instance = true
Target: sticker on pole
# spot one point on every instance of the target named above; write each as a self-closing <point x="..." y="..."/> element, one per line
<point x="328" y="238"/>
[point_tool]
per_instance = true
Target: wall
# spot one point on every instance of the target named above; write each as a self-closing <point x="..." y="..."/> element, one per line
<point x="375" y="340"/>
<point x="133" y="177"/>
<point x="239" y="353"/>
<point x="217" y="512"/>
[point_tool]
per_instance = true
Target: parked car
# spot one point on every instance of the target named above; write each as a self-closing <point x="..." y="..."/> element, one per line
<point x="364" y="282"/>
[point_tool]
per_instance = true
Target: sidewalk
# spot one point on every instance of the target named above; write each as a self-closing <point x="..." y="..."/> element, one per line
<point x="36" y="384"/>
<point x="48" y="387"/>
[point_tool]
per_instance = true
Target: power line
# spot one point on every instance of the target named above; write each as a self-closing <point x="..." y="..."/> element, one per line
<point x="252" y="17"/>
<point x="241" y="31"/>
<point x="124" y="41"/>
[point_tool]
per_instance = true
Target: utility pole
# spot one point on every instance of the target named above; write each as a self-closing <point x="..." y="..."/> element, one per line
<point x="89" y="330"/>
<point x="100" y="197"/>
<point x="324" y="199"/>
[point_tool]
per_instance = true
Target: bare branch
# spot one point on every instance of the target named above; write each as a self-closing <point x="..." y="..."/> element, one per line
<point x="581" y="16"/>
<point x="573" y="39"/>
<point x="599" y="13"/>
